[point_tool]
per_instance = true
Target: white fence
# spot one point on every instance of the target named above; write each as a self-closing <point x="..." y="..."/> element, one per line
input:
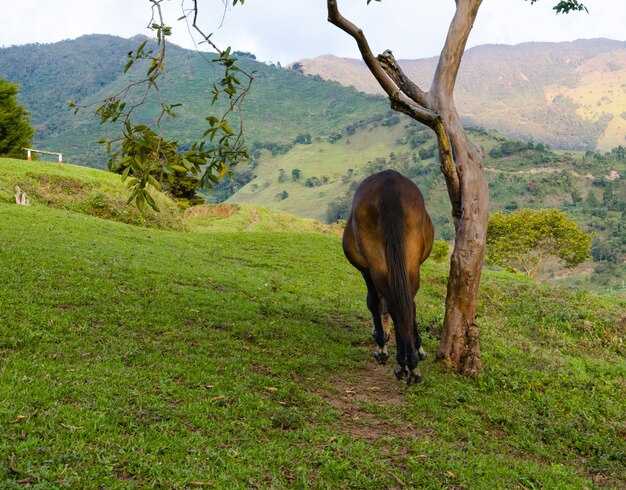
<point x="29" y="152"/>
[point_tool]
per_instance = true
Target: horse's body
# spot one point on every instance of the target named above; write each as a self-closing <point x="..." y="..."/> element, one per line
<point x="387" y="237"/>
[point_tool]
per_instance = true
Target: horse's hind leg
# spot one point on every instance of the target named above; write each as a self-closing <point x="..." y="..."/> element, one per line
<point x="386" y="318"/>
<point x="379" y="311"/>
<point x="421" y="353"/>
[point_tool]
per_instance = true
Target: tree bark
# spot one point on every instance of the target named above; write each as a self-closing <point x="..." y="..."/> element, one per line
<point x="461" y="165"/>
<point x="459" y="347"/>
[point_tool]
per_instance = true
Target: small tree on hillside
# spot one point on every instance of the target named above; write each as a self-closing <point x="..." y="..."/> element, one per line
<point x="15" y="129"/>
<point x="151" y="159"/>
<point x="440" y="251"/>
<point x="522" y="240"/>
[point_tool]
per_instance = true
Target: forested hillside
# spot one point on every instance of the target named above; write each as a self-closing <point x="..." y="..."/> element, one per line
<point x="567" y="95"/>
<point x="282" y="105"/>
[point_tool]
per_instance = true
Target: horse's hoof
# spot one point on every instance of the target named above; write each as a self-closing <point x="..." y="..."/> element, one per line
<point x="413" y="377"/>
<point x="421" y="354"/>
<point x="400" y="371"/>
<point x="381" y="357"/>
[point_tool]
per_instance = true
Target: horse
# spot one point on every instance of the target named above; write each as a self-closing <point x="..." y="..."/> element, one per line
<point x="387" y="237"/>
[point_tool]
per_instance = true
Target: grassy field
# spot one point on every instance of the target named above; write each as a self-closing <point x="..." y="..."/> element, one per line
<point x="135" y="357"/>
<point x="319" y="160"/>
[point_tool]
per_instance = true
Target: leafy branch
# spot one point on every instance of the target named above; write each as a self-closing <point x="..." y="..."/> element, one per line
<point x="141" y="153"/>
<point x="567" y="6"/>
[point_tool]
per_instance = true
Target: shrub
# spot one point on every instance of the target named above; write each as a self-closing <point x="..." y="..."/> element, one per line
<point x="440" y="252"/>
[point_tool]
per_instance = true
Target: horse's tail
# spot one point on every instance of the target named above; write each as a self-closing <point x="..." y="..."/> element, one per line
<point x="400" y="303"/>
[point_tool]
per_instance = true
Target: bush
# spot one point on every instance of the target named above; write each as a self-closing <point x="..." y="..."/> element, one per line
<point x="339" y="209"/>
<point x="303" y="139"/>
<point x="440" y="252"/>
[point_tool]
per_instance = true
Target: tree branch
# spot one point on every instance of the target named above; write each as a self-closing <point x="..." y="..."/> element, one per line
<point x="454" y="47"/>
<point x="399" y="100"/>
<point x="448" y="168"/>
<point x="395" y="72"/>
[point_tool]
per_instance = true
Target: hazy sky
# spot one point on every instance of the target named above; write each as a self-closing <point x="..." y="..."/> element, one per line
<point x="288" y="30"/>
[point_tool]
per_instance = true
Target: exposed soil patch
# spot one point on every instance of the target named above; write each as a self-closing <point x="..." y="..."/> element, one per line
<point x="219" y="210"/>
<point x="370" y="403"/>
<point x="51" y="189"/>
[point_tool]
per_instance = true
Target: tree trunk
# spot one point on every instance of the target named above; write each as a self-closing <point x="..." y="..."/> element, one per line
<point x="459" y="346"/>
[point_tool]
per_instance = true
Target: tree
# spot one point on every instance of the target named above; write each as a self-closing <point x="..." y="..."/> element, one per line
<point x="440" y="251"/>
<point x="303" y="139"/>
<point x="15" y="129"/>
<point x="525" y="238"/>
<point x="461" y="165"/>
<point x="212" y="156"/>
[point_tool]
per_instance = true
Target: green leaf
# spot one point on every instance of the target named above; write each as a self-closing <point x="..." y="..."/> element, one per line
<point x="154" y="182"/>
<point x="125" y="173"/>
<point x="152" y="68"/>
<point x="150" y="201"/>
<point x="141" y="46"/>
<point x="131" y="182"/>
<point x="128" y="65"/>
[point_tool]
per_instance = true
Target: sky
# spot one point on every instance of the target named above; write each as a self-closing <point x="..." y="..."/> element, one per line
<point x="289" y="30"/>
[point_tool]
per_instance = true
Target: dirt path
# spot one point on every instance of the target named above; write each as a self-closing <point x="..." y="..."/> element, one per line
<point x="354" y="395"/>
<point x="254" y="220"/>
<point x="613" y="174"/>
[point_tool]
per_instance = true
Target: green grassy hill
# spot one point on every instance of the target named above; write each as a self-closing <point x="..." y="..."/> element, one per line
<point x="149" y="356"/>
<point x="83" y="190"/>
<point x="102" y="194"/>
<point x="521" y="174"/>
<point x="318" y="180"/>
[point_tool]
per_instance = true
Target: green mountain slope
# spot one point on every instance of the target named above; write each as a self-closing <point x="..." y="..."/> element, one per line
<point x="318" y="180"/>
<point x="282" y="105"/>
<point x="136" y="357"/>
<point x="565" y="94"/>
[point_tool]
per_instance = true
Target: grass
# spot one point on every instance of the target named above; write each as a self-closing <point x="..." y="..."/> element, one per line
<point x="244" y="218"/>
<point x="332" y="160"/>
<point x="143" y="357"/>
<point x="83" y="190"/>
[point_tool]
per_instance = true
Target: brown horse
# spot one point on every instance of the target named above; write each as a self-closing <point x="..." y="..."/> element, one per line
<point x="387" y="237"/>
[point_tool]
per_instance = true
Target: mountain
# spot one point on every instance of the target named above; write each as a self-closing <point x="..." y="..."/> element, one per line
<point x="282" y="105"/>
<point x="570" y="95"/>
<point x="318" y="180"/>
